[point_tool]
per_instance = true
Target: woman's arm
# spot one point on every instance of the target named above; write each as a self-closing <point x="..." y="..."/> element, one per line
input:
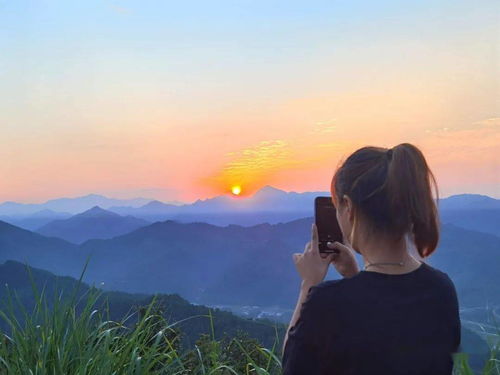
<point x="304" y="290"/>
<point x="313" y="266"/>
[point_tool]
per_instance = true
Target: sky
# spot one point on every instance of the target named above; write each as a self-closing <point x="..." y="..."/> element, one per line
<point x="181" y="100"/>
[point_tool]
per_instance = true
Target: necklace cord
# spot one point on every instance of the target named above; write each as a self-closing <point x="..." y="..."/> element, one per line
<point x="385" y="263"/>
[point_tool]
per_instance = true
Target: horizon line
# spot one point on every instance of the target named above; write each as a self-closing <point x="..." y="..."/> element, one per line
<point x="181" y="203"/>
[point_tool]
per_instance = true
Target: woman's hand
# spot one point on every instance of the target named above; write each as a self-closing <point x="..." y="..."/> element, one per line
<point x="344" y="261"/>
<point x="312" y="265"/>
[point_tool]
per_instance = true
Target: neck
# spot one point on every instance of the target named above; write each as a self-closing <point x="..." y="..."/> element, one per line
<point x="382" y="250"/>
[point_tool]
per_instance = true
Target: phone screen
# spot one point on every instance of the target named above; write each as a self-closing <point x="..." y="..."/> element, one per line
<point x="326" y="222"/>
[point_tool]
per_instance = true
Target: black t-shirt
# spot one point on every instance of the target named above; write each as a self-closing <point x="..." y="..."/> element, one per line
<point x="376" y="323"/>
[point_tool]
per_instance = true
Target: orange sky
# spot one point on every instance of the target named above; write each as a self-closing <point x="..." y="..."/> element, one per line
<point x="186" y="119"/>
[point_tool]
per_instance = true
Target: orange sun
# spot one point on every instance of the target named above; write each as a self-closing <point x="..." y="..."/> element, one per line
<point x="236" y="190"/>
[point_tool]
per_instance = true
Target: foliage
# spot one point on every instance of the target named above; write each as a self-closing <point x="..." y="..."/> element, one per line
<point x="72" y="336"/>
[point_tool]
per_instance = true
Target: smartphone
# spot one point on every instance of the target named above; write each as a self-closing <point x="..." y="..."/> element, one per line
<point x="325" y="217"/>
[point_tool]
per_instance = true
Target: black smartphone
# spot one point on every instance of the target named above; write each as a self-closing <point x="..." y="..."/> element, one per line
<point x="325" y="217"/>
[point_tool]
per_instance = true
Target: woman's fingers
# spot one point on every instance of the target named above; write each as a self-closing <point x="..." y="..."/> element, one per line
<point x="328" y="257"/>
<point x="307" y="248"/>
<point x="314" y="241"/>
<point x="337" y="245"/>
<point x="324" y="255"/>
<point x="340" y="248"/>
<point x="345" y="260"/>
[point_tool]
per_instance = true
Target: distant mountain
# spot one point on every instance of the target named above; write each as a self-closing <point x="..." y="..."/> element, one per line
<point x="35" y="220"/>
<point x="70" y="205"/>
<point x="152" y="211"/>
<point x="481" y="220"/>
<point x="469" y="201"/>
<point x="472" y="260"/>
<point x="15" y="277"/>
<point x="472" y="211"/>
<point x="268" y="205"/>
<point x="36" y="250"/>
<point x="95" y="223"/>
<point x="188" y="258"/>
<point x="271" y="205"/>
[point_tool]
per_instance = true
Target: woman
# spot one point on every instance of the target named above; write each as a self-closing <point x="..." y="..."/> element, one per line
<point x="397" y="316"/>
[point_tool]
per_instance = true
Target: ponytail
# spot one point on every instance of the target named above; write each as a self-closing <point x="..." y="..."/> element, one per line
<point x="409" y="185"/>
<point x="393" y="191"/>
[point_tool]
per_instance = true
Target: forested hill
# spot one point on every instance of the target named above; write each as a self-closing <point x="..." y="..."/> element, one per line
<point x="18" y="279"/>
<point x="232" y="265"/>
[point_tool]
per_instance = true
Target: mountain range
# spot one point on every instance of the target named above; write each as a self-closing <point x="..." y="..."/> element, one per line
<point x="95" y="223"/>
<point x="233" y="264"/>
<point x="33" y="221"/>
<point x="268" y="205"/>
<point x="67" y="205"/>
<point x="472" y="211"/>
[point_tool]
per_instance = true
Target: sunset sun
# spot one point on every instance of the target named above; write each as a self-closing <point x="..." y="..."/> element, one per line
<point x="236" y="190"/>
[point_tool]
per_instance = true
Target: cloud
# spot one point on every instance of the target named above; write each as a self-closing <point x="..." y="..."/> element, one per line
<point x="323" y="127"/>
<point x="260" y="159"/>
<point x="251" y="166"/>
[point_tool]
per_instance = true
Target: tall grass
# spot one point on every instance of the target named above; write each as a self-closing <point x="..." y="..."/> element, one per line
<point x="73" y="335"/>
<point x="492" y="365"/>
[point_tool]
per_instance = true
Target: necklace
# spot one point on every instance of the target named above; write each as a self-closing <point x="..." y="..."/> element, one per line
<point x="384" y="263"/>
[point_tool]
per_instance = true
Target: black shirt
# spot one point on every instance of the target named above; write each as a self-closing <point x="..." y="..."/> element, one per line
<point x="376" y="323"/>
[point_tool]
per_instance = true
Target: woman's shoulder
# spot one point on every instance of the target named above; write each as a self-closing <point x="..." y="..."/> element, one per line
<point x="438" y="276"/>
<point x="426" y="276"/>
<point x="332" y="288"/>
<point x="338" y="284"/>
<point x="442" y="281"/>
<point x="331" y="284"/>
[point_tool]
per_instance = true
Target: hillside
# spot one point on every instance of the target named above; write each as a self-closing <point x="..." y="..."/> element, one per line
<point x="95" y="223"/>
<point x="475" y="212"/>
<point x="233" y="265"/>
<point x="14" y="276"/>
<point x="35" y="220"/>
<point x="52" y="254"/>
<point x="477" y="219"/>
<point x="17" y="278"/>
<point x="253" y="266"/>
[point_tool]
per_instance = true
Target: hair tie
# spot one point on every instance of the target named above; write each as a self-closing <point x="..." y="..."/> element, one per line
<point x="389" y="154"/>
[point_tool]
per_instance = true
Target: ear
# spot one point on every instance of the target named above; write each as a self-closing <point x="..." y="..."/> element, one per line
<point x="350" y="210"/>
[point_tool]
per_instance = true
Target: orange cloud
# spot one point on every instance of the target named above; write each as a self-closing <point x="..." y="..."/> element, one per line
<point x="251" y="166"/>
<point x="262" y="164"/>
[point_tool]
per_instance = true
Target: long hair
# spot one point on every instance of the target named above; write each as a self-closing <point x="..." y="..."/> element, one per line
<point x="392" y="190"/>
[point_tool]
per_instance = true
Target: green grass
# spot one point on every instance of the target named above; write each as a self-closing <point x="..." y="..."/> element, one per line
<point x="492" y="365"/>
<point x="74" y="336"/>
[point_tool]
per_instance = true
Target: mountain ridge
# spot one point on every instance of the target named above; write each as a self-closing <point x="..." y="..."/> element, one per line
<point x="206" y="262"/>
<point x="94" y="223"/>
